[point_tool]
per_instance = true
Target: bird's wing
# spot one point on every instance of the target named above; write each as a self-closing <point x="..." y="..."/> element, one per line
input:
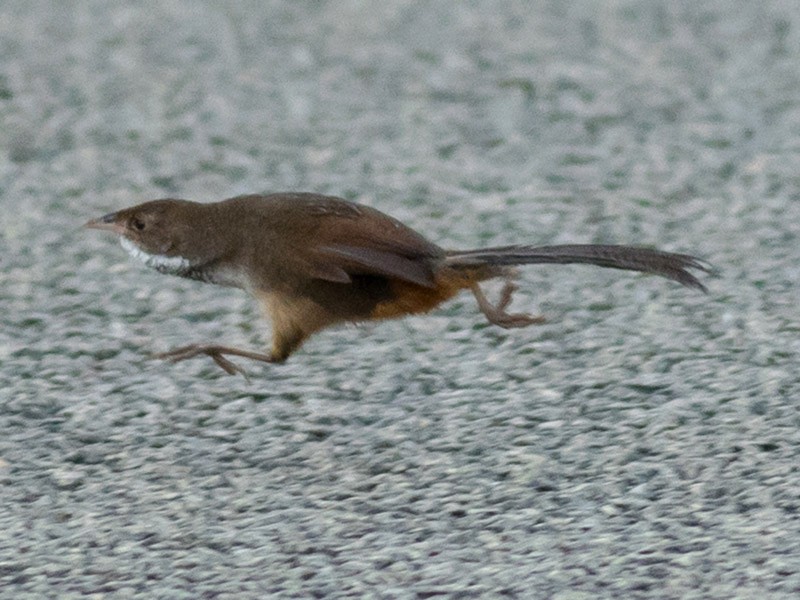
<point x="346" y="259"/>
<point x="359" y="240"/>
<point x="334" y="240"/>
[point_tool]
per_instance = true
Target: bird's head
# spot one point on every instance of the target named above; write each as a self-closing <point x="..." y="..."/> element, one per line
<point x="160" y="233"/>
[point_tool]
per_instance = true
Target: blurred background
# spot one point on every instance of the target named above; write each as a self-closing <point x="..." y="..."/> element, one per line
<point x="642" y="443"/>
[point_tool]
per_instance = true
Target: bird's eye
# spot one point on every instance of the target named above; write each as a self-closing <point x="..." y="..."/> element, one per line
<point x="137" y="224"/>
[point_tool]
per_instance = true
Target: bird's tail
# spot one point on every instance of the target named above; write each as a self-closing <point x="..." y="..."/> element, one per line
<point x="666" y="264"/>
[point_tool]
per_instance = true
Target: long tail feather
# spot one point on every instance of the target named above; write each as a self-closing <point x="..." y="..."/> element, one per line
<point x="666" y="264"/>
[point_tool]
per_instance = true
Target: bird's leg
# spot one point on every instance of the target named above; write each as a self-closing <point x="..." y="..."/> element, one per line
<point x="286" y="339"/>
<point x="217" y="353"/>
<point x="496" y="313"/>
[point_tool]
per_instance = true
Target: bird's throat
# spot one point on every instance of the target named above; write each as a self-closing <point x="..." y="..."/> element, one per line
<point x="212" y="272"/>
<point x="171" y="265"/>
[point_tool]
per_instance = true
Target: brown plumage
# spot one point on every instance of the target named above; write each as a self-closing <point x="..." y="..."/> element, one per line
<point x="314" y="261"/>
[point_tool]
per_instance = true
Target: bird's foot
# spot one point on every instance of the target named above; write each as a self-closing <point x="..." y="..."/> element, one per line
<point x="496" y="313"/>
<point x="217" y="354"/>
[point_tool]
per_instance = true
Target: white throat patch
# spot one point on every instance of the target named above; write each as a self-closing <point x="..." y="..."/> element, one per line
<point x="159" y="262"/>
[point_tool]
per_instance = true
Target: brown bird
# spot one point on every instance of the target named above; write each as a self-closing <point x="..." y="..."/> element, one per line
<point x="314" y="261"/>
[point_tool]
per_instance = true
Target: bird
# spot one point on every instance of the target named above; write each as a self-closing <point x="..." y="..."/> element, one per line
<point x="312" y="261"/>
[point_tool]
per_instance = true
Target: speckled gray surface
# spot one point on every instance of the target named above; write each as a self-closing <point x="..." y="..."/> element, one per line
<point x="641" y="444"/>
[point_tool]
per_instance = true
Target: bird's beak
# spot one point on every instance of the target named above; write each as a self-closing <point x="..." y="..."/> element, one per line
<point x="106" y="223"/>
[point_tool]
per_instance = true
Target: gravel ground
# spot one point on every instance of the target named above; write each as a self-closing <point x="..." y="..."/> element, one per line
<point x="641" y="444"/>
